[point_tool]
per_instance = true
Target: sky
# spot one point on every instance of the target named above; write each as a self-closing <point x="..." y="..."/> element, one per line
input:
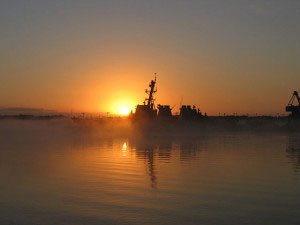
<point x="224" y="56"/>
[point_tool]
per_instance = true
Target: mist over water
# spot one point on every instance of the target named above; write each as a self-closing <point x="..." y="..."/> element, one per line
<point x="61" y="172"/>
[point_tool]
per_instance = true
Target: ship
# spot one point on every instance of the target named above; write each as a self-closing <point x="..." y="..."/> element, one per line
<point x="148" y="111"/>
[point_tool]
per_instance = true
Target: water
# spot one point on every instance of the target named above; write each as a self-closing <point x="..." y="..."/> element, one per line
<point x="59" y="176"/>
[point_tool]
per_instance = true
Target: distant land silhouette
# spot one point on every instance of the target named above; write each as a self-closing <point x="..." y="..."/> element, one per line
<point x="26" y="111"/>
<point x="15" y="111"/>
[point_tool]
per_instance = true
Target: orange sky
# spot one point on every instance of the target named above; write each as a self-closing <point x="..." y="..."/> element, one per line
<point x="97" y="57"/>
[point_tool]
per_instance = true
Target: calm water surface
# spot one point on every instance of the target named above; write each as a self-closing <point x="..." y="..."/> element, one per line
<point x="48" y="176"/>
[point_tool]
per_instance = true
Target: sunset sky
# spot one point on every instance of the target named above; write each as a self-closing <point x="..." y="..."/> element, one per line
<point x="229" y="56"/>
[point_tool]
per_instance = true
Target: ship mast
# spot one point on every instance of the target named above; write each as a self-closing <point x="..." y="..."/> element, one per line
<point x="150" y="100"/>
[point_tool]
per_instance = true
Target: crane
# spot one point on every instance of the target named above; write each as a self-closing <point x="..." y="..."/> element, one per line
<point x="294" y="109"/>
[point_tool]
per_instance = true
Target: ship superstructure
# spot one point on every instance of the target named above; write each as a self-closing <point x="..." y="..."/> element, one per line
<point x="148" y="109"/>
<point x="164" y="112"/>
<point x="188" y="112"/>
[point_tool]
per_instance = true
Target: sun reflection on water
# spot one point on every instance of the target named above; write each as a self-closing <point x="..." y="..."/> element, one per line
<point x="124" y="149"/>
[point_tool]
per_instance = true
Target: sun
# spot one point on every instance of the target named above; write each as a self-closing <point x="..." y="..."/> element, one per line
<point x="124" y="111"/>
<point x="121" y="106"/>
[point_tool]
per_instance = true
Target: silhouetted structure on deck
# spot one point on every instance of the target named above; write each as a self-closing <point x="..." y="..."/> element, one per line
<point x="164" y="112"/>
<point x="294" y="109"/>
<point x="190" y="113"/>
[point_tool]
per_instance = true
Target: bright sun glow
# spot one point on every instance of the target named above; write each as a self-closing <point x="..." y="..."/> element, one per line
<point x="124" y="111"/>
<point x="121" y="106"/>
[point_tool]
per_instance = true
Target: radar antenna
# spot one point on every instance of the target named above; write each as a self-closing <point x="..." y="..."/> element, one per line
<point x="150" y="100"/>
